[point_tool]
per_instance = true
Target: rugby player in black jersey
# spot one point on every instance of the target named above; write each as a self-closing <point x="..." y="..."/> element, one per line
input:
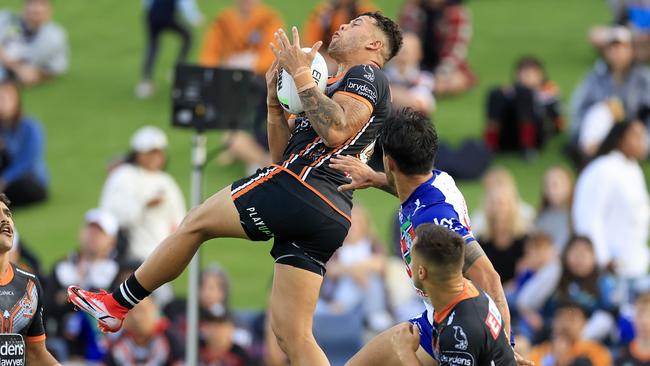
<point x="468" y="328"/>
<point x="21" y="307"/>
<point x="296" y="201"/>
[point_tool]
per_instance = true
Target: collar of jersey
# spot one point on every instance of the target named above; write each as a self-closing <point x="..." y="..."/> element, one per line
<point x="419" y="191"/>
<point x="6" y="277"/>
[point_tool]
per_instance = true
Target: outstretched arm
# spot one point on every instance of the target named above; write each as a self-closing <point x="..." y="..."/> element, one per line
<point x="334" y="119"/>
<point x="361" y="174"/>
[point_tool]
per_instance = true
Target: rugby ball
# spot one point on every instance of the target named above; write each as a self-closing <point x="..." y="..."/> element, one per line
<point x="287" y="91"/>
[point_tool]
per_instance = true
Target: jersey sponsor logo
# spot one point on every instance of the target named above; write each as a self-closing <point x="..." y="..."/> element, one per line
<point x="363" y="88"/>
<point x="448" y="223"/>
<point x="6" y="293"/>
<point x="461" y="338"/>
<point x="418" y="205"/>
<point x="12" y="350"/>
<point x="456" y="358"/>
<point x="258" y="222"/>
<point x="493" y="319"/>
<point x="369" y="73"/>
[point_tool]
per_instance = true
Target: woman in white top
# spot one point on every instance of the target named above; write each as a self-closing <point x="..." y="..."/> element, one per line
<point x="611" y="204"/>
<point x="146" y="200"/>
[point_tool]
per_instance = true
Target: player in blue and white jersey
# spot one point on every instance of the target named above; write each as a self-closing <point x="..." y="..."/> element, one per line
<point x="409" y="142"/>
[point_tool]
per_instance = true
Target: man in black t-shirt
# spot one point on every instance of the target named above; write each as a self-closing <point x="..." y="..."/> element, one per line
<point x="296" y="201"/>
<point x="468" y="329"/>
<point x="21" y="305"/>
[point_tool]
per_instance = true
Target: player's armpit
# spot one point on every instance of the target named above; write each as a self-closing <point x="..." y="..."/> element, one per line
<point x="37" y="354"/>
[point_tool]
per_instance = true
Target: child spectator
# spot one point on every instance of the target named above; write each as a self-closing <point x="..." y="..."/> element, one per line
<point x="145" y="340"/>
<point x="637" y="353"/>
<point x="33" y="49"/>
<point x="23" y="173"/>
<point x="445" y="29"/>
<point x="611" y="204"/>
<point x="575" y="278"/>
<point x="160" y="16"/>
<point x="327" y="17"/>
<point x="92" y="266"/>
<point x="567" y="347"/>
<point x="538" y="252"/>
<point x="521" y="116"/>
<point x="145" y="199"/>
<point x="355" y="274"/>
<point x="219" y="349"/>
<point x="554" y="215"/>
<point x="409" y="85"/>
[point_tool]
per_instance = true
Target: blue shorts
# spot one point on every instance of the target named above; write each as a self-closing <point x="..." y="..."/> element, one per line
<point x="426" y="332"/>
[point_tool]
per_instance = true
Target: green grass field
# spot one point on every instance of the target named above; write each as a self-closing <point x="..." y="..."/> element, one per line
<point x="91" y="112"/>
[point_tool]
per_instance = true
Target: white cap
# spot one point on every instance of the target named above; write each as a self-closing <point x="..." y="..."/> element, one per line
<point x="148" y="138"/>
<point x="104" y="219"/>
<point x="619" y="35"/>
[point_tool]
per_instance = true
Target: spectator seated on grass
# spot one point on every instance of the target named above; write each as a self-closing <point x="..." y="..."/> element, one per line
<point x="92" y="266"/>
<point x="23" y="173"/>
<point x="145" y="340"/>
<point x="522" y="116"/>
<point x="219" y="349"/>
<point x="445" y="29"/>
<point x="634" y="14"/>
<point x="239" y="38"/>
<point x="354" y="276"/>
<point x="146" y="200"/>
<point x="611" y="204"/>
<point x="410" y="86"/>
<point x="637" y="353"/>
<point x="554" y="214"/>
<point x="33" y="48"/>
<point x="617" y="75"/>
<point x="326" y="18"/>
<point x="567" y="346"/>
<point x="575" y="278"/>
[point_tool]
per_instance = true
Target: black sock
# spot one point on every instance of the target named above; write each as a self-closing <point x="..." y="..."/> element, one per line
<point x="130" y="293"/>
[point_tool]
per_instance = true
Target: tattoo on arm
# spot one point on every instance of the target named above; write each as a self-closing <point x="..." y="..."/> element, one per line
<point x="323" y="113"/>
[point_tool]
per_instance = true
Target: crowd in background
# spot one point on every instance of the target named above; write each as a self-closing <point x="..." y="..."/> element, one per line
<point x="574" y="265"/>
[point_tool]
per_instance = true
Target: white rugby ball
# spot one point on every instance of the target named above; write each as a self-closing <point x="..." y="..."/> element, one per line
<point x="287" y="91"/>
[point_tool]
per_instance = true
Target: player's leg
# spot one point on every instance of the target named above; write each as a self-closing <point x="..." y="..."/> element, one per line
<point x="217" y="217"/>
<point x="379" y="351"/>
<point x="293" y="301"/>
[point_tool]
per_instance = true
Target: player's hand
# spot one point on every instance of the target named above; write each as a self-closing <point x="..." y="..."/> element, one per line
<point x="407" y="336"/>
<point x="521" y="361"/>
<point x="360" y="173"/>
<point x="291" y="56"/>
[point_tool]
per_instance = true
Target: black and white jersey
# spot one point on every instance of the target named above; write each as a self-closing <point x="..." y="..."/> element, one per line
<point x="306" y="155"/>
<point x="469" y="332"/>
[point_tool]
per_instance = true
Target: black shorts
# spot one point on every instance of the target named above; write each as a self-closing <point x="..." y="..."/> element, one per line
<point x="306" y="229"/>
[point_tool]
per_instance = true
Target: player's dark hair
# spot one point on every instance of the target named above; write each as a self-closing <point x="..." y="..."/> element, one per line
<point x="410" y="139"/>
<point x="439" y="246"/>
<point x="390" y="29"/>
<point x="4" y="199"/>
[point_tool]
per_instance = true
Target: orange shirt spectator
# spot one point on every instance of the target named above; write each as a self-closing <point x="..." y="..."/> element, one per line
<point x="596" y="353"/>
<point x="327" y="17"/>
<point x="239" y="37"/>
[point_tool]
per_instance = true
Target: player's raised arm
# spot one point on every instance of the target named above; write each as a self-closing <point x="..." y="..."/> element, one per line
<point x="277" y="126"/>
